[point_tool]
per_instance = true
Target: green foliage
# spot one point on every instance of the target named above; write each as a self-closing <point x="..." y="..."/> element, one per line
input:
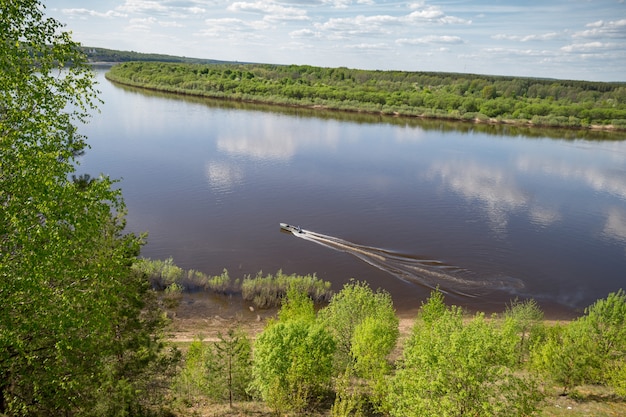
<point x="263" y="291"/>
<point x="293" y="360"/>
<point x="77" y="326"/>
<point x="99" y="55"/>
<point x="365" y="327"/>
<point x="431" y="95"/>
<point x="590" y="349"/>
<point x="269" y="290"/>
<point x="565" y="355"/>
<point x="193" y="381"/>
<point x="525" y="319"/>
<point x="296" y="306"/>
<point x="348" y="309"/>
<point x="220" y="371"/>
<point x="233" y="365"/>
<point x="218" y="283"/>
<point x="161" y="273"/>
<point x="453" y="367"/>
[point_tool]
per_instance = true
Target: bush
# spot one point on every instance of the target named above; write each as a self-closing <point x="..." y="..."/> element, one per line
<point x="365" y="328"/>
<point x="293" y="358"/>
<point x="452" y="367"/>
<point x="525" y="319"/>
<point x="590" y="349"/>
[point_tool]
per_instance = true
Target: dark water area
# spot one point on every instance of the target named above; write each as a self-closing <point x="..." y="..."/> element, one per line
<point x="487" y="213"/>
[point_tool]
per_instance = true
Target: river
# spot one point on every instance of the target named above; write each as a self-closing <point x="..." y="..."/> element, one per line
<point x="487" y="213"/>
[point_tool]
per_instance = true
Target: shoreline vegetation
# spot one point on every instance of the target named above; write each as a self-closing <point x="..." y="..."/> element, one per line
<point x="529" y="102"/>
<point x="440" y="361"/>
<point x="263" y="291"/>
<point x="350" y="353"/>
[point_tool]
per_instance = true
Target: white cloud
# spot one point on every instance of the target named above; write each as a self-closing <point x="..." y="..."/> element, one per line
<point x="143" y="6"/>
<point x="172" y="9"/>
<point x="601" y="29"/>
<point x="423" y="12"/>
<point x="272" y="11"/>
<point x="305" y="33"/>
<point x="233" y="27"/>
<point x="342" y="4"/>
<point x="445" y="39"/>
<point x="171" y="24"/>
<point x="527" y="38"/>
<point x="143" y="24"/>
<point x="588" y="47"/>
<point x="368" y="46"/>
<point x="85" y="13"/>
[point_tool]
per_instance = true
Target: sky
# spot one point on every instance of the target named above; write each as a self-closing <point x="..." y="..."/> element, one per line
<point x="565" y="39"/>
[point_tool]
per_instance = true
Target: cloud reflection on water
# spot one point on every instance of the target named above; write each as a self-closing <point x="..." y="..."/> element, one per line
<point x="494" y="187"/>
<point x="223" y="176"/>
<point x="499" y="192"/>
<point x="610" y="181"/>
<point x="615" y="226"/>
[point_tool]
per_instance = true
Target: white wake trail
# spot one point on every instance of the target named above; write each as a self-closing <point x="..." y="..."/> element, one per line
<point x="413" y="269"/>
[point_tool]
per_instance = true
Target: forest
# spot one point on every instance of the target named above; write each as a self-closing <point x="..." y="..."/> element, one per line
<point x="468" y="97"/>
<point x="85" y="321"/>
<point x="104" y="55"/>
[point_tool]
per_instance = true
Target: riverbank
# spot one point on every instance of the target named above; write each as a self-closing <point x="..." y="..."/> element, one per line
<point x="205" y="318"/>
<point x="459" y="97"/>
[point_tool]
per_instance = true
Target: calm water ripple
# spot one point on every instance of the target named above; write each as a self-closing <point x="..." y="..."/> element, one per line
<point x="421" y="202"/>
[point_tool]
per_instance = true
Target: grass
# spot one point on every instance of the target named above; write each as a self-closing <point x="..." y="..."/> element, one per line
<point x="553" y="407"/>
<point x="584" y="401"/>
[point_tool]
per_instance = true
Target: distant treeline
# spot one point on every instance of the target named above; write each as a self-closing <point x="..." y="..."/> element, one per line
<point x="115" y="56"/>
<point x="483" y="98"/>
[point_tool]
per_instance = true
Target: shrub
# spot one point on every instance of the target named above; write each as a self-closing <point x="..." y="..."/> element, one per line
<point x="590" y="349"/>
<point x="525" y="319"/>
<point x="365" y="328"/>
<point x="452" y="367"/>
<point x="293" y="358"/>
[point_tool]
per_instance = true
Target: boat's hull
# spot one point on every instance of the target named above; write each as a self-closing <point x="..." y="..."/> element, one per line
<point x="289" y="228"/>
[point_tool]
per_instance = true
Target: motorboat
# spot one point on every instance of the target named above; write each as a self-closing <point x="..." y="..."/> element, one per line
<point x="290" y="228"/>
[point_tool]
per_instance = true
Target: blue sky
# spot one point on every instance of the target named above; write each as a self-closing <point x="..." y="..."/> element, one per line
<point x="567" y="39"/>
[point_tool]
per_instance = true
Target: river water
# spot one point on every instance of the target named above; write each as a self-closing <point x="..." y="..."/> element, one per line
<point x="487" y="213"/>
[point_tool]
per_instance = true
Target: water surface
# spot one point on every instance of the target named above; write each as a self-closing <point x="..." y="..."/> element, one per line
<point x="504" y="211"/>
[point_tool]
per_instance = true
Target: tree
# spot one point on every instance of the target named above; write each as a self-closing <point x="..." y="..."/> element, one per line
<point x="348" y="309"/>
<point x="76" y="323"/>
<point x="365" y="328"/>
<point x="293" y="358"/>
<point x="232" y="365"/>
<point x="451" y="366"/>
<point x="525" y="319"/>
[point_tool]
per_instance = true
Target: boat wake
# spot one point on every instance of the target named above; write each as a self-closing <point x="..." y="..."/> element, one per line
<point x="421" y="271"/>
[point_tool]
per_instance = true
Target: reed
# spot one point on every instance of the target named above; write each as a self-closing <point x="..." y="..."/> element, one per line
<point x="269" y="290"/>
<point x="264" y="291"/>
